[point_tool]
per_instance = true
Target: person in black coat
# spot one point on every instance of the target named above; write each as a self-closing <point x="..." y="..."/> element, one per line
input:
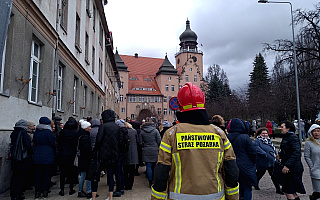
<point x="20" y="168"/>
<point x="107" y="148"/>
<point x="85" y="149"/>
<point x="67" y="149"/>
<point x="44" y="156"/>
<point x="290" y="155"/>
<point x="246" y="156"/>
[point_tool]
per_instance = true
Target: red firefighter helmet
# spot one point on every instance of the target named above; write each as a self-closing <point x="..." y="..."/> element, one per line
<point x="190" y="97"/>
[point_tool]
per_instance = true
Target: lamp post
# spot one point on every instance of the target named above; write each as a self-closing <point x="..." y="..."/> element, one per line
<point x="294" y="62"/>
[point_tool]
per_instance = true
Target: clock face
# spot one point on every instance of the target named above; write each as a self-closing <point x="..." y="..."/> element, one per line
<point x="178" y="61"/>
<point x="194" y="59"/>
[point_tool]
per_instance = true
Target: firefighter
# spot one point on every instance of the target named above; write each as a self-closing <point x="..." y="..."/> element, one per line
<point x="196" y="159"/>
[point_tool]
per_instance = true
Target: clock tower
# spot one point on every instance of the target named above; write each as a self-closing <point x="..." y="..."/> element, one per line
<point x="189" y="58"/>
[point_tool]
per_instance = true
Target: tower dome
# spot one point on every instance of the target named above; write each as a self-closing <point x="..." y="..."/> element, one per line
<point x="188" y="35"/>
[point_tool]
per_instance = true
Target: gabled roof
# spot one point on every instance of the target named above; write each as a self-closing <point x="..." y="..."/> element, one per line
<point x="142" y="72"/>
<point x="167" y="68"/>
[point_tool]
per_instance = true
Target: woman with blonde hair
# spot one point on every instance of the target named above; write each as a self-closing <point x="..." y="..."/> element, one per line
<point x="312" y="157"/>
<point x="219" y="121"/>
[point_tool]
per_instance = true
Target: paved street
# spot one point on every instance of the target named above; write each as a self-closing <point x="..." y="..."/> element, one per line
<point x="141" y="190"/>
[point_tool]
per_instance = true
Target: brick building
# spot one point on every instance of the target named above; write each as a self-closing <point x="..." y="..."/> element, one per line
<point x="147" y="84"/>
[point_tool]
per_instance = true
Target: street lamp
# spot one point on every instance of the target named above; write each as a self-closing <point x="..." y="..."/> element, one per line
<point x="294" y="62"/>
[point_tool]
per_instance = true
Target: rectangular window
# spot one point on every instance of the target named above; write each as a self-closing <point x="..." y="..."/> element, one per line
<point x="34" y="72"/>
<point x="121" y="98"/>
<point x="2" y="67"/>
<point x="100" y="71"/>
<point x="100" y="35"/>
<point x="148" y="99"/>
<point x="132" y="98"/>
<point x="77" y="33"/>
<point x="165" y="111"/>
<point x="123" y="110"/>
<point x="170" y="111"/>
<point x="64" y="14"/>
<point x="121" y="86"/>
<point x="164" y="99"/>
<point x="84" y="101"/>
<point x="74" y="95"/>
<point x="167" y="87"/>
<point x="172" y="87"/>
<point x="141" y="98"/>
<point x="132" y="116"/>
<point x="187" y="78"/>
<point x="159" y="111"/>
<point x="86" y="53"/>
<point x="59" y="88"/>
<point x="94" y="18"/>
<point x="88" y="7"/>
<point x="195" y="78"/>
<point x="93" y="58"/>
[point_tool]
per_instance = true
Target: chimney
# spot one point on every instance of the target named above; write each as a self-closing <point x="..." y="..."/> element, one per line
<point x="136" y="55"/>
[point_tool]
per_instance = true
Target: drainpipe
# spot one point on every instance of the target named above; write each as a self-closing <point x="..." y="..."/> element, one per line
<point x="54" y="103"/>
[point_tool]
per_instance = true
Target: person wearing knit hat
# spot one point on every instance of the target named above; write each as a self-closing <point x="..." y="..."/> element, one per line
<point x="120" y="122"/>
<point x="44" y="156"/>
<point x="311" y="155"/>
<point x="20" y="167"/>
<point x="85" y="125"/>
<point x="85" y="150"/>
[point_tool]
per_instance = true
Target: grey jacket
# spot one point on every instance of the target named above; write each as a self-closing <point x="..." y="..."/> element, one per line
<point x="131" y="157"/>
<point x="312" y="157"/>
<point x="150" y="141"/>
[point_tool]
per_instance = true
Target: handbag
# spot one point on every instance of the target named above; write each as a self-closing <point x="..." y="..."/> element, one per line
<point x="93" y="170"/>
<point x="277" y="174"/>
<point x="19" y="152"/>
<point x="76" y="159"/>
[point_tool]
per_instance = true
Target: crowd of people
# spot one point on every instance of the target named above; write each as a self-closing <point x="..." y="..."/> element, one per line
<point x="182" y="158"/>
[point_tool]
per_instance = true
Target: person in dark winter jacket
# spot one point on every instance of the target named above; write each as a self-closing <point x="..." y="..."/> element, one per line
<point x="67" y="149"/>
<point x="245" y="156"/>
<point x="150" y="139"/>
<point x="290" y="155"/>
<point x="85" y="149"/>
<point x="107" y="148"/>
<point x="136" y="126"/>
<point x="95" y="124"/>
<point x="130" y="158"/>
<point x="166" y="125"/>
<point x="44" y="156"/>
<point x="266" y="153"/>
<point x="20" y="168"/>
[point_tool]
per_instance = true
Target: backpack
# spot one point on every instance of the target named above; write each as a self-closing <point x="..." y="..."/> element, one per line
<point x="124" y="143"/>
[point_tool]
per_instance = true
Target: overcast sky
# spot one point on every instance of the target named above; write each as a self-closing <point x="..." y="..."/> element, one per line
<point x="231" y="31"/>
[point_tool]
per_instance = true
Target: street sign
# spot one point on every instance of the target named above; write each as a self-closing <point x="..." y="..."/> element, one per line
<point x="173" y="103"/>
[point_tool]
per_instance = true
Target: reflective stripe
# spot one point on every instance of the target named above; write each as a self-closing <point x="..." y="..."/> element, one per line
<point x="173" y="129"/>
<point x="199" y="105"/>
<point x="158" y="195"/>
<point x="219" y="195"/>
<point x="217" y="172"/>
<point x="165" y="147"/>
<point x="177" y="162"/>
<point x="232" y="191"/>
<point x="227" y="145"/>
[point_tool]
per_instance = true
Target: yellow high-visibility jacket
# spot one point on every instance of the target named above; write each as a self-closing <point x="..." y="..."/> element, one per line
<point x="196" y="154"/>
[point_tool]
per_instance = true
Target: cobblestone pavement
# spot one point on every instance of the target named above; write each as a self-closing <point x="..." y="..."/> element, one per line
<point x="141" y="191"/>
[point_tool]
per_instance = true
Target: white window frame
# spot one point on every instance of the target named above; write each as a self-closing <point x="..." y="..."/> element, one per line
<point x="167" y="87"/>
<point x="159" y="111"/>
<point x="121" y="98"/>
<point x="132" y="116"/>
<point x="165" y="112"/>
<point x="148" y="99"/>
<point x="74" y="95"/>
<point x="123" y="110"/>
<point x="59" y="88"/>
<point x="172" y="88"/>
<point x="32" y="80"/>
<point x="141" y="98"/>
<point x="195" y="78"/>
<point x="187" y="78"/>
